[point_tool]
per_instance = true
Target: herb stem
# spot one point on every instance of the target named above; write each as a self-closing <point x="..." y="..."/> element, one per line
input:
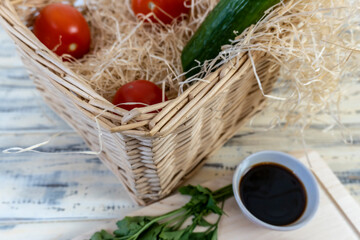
<point x="181" y="222"/>
<point x="223" y="193"/>
<point x="215" y="225"/>
<point x="159" y="218"/>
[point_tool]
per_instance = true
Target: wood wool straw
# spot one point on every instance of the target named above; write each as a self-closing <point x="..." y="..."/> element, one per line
<point x="316" y="43"/>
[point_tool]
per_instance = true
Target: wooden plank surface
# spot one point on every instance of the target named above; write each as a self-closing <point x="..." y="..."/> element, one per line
<point x="57" y="194"/>
<point x="336" y="218"/>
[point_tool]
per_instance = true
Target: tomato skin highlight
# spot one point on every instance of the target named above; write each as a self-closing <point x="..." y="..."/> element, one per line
<point x="63" y="29"/>
<point x="140" y="91"/>
<point x="165" y="10"/>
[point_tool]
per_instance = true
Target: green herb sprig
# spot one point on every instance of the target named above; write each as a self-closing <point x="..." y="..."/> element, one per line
<point x="169" y="225"/>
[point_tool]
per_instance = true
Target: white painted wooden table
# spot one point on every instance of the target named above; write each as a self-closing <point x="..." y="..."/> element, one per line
<point x="59" y="193"/>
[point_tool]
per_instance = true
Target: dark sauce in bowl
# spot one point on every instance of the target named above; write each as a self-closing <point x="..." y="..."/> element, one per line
<point x="273" y="194"/>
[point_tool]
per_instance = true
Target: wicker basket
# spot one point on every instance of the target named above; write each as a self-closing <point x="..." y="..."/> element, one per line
<point x="151" y="153"/>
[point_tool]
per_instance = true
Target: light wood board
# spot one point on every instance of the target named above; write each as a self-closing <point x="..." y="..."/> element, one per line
<point x="338" y="216"/>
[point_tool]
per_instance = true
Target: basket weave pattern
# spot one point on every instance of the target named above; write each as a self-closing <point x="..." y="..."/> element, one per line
<point x="151" y="153"/>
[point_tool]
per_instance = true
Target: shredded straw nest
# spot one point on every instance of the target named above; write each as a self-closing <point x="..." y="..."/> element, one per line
<point x="314" y="42"/>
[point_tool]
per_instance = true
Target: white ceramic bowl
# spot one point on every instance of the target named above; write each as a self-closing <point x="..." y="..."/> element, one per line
<point x="299" y="169"/>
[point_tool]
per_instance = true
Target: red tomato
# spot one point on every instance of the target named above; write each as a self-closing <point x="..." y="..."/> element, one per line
<point x="138" y="91"/>
<point x="63" y="29"/>
<point x="165" y="10"/>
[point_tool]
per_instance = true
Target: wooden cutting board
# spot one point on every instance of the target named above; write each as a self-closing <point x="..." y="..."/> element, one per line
<point x="338" y="216"/>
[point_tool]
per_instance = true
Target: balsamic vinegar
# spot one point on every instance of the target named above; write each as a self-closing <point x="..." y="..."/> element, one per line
<point x="273" y="194"/>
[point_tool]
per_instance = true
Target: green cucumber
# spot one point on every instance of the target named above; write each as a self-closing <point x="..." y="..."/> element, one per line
<point x="218" y="29"/>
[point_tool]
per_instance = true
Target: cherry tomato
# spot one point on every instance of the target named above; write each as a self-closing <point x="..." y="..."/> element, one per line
<point x="140" y="91"/>
<point x="63" y="29"/>
<point x="165" y="10"/>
